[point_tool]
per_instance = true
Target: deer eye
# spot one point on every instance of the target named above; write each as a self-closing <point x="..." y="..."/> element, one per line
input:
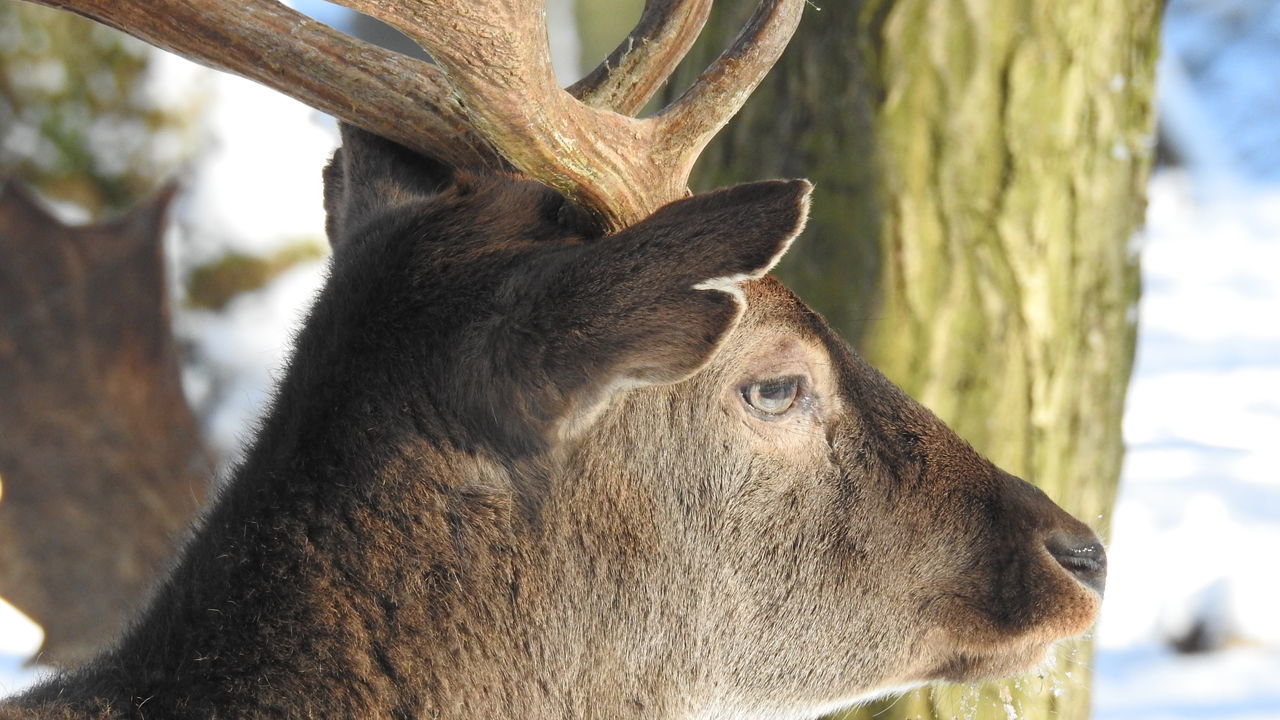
<point x="772" y="397"/>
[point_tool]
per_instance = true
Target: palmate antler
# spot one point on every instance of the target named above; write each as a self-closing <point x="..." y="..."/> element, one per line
<point x="494" y="99"/>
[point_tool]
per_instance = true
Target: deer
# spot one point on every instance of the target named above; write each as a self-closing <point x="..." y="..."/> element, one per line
<point x="552" y="441"/>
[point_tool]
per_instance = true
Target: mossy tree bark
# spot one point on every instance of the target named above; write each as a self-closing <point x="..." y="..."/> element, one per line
<point x="980" y="170"/>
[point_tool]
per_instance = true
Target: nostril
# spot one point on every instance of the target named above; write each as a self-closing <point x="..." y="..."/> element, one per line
<point x="1083" y="557"/>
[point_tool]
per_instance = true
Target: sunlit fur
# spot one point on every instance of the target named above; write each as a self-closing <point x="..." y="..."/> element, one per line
<point x="510" y="472"/>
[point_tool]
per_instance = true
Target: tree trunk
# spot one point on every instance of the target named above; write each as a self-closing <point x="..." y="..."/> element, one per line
<point x="980" y="171"/>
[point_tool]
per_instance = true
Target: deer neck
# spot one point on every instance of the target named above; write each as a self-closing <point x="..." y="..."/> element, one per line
<point x="410" y="583"/>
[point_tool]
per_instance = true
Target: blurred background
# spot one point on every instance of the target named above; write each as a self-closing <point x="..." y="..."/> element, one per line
<point x="96" y="125"/>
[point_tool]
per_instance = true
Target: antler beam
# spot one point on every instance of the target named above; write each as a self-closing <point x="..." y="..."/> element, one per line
<point x="620" y="168"/>
<point x="398" y="97"/>
<point x="493" y="99"/>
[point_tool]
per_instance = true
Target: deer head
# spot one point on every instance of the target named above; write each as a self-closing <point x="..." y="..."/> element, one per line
<point x="552" y="441"/>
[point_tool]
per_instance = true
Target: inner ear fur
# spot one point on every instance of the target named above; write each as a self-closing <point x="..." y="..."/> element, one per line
<point x="653" y="303"/>
<point x="369" y="175"/>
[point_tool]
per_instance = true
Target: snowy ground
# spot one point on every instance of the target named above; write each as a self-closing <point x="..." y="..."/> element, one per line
<point x="1196" y="534"/>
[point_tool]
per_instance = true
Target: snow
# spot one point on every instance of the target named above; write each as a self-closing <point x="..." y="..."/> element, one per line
<point x="258" y="185"/>
<point x="19" y="640"/>
<point x="242" y="350"/>
<point x="1196" y="531"/>
<point x="256" y="188"/>
<point x="1146" y="683"/>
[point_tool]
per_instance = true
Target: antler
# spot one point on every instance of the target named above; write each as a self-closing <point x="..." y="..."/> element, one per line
<point x="497" y="97"/>
<point x="635" y="70"/>
<point x="398" y="97"/>
<point x="496" y="57"/>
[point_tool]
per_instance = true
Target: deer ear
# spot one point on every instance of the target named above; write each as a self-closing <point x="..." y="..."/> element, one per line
<point x="651" y="304"/>
<point x="369" y="175"/>
<point x="673" y="292"/>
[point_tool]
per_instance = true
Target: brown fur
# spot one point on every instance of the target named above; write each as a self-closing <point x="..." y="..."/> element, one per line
<point x="511" y="471"/>
<point x="100" y="457"/>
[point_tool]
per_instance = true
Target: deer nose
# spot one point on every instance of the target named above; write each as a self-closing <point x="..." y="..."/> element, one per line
<point x="1082" y="555"/>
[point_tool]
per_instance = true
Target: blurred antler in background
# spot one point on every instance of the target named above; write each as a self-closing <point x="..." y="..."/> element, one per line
<point x="100" y="454"/>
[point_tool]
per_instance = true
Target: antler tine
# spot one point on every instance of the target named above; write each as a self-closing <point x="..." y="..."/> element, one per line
<point x="500" y="100"/>
<point x="397" y="97"/>
<point x="694" y="118"/>
<point x="635" y="70"/>
<point x="495" y="55"/>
